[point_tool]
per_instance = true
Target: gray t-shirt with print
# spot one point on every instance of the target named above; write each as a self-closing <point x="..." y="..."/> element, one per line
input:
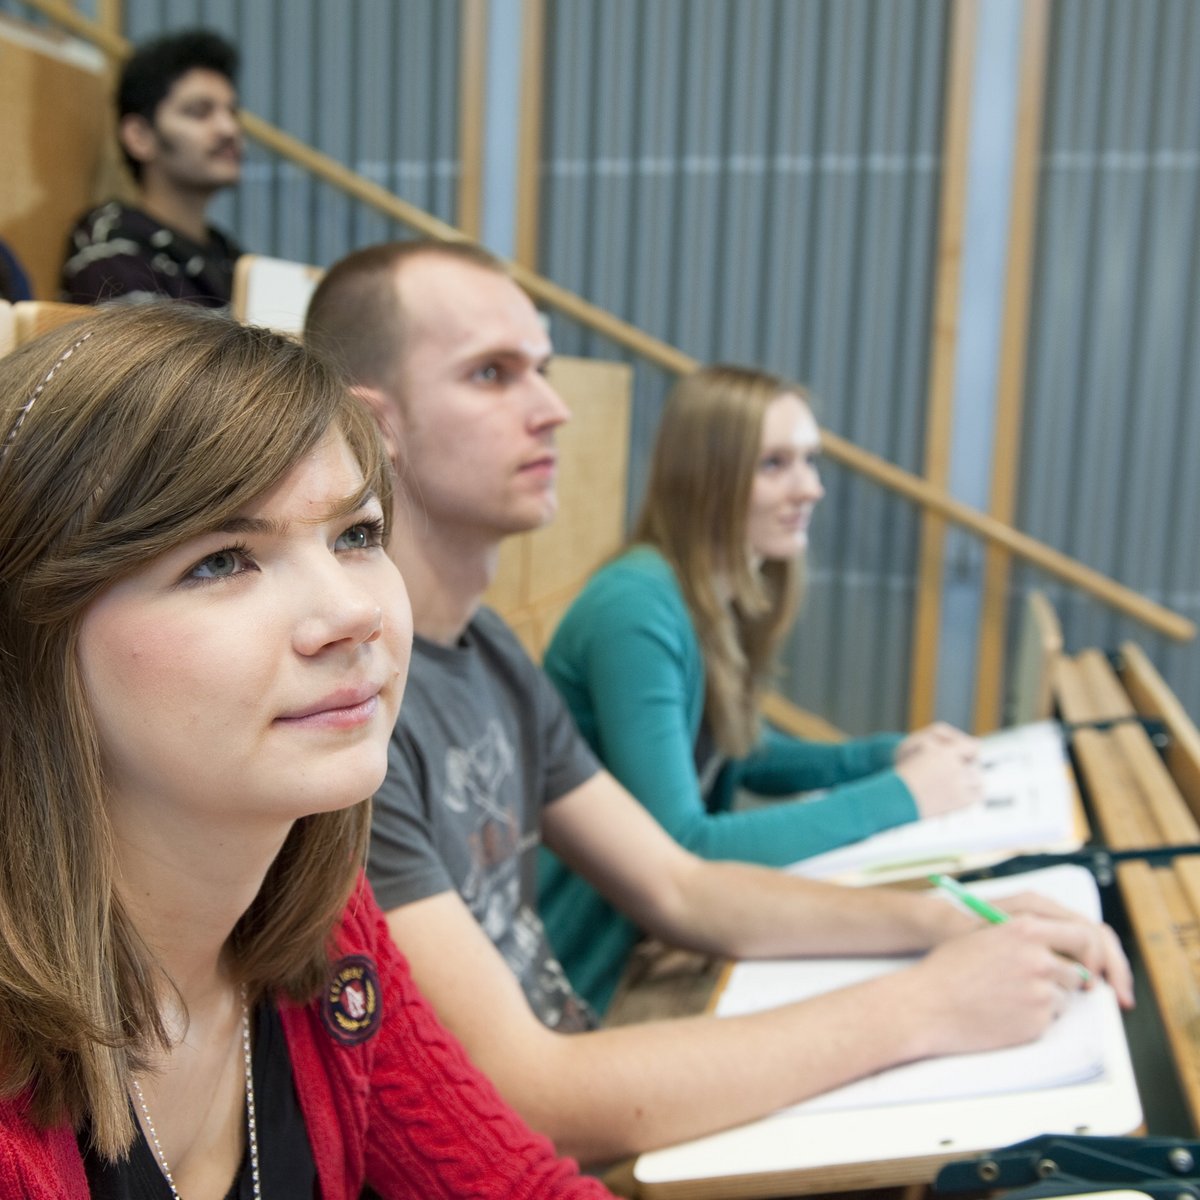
<point x="482" y="745"/>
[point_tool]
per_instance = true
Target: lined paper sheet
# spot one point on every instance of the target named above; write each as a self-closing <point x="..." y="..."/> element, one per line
<point x="1028" y="805"/>
<point x="1071" y="1051"/>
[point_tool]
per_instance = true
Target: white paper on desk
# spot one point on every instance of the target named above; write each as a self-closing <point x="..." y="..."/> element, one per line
<point x="1028" y="805"/>
<point x="1071" y="1050"/>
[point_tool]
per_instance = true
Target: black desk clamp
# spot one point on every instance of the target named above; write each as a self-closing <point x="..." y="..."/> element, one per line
<point x="1100" y="861"/>
<point x="1068" y="1165"/>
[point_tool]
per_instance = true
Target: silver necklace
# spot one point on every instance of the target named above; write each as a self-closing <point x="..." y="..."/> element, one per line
<point x="251" y="1123"/>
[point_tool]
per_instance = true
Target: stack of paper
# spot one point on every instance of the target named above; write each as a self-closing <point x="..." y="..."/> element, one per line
<point x="1028" y="805"/>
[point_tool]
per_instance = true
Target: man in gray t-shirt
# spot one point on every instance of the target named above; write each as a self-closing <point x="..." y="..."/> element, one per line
<point x="482" y="746"/>
<point x="450" y="355"/>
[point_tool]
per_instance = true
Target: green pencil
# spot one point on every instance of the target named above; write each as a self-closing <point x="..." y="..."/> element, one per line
<point x="981" y="908"/>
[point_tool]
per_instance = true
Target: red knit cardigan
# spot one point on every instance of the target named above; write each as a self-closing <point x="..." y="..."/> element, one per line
<point x="402" y="1110"/>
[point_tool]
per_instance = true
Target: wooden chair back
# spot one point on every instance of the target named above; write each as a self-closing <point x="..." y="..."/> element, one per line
<point x="1039" y="647"/>
<point x="540" y="573"/>
<point x="32" y="318"/>
<point x="273" y="292"/>
<point x="55" y="143"/>
<point x="1153" y="698"/>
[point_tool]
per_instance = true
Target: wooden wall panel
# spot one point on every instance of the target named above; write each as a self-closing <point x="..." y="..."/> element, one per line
<point x="53" y="139"/>
<point x="540" y="572"/>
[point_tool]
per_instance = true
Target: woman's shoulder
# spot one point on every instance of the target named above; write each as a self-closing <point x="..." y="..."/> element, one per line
<point x="362" y="927"/>
<point x="634" y="589"/>
<point x="45" y="1162"/>
<point x="640" y="570"/>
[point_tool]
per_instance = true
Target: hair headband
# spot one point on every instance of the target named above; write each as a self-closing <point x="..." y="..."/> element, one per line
<point x="37" y="391"/>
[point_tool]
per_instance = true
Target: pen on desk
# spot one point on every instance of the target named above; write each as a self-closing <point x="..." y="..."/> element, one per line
<point x="981" y="908"/>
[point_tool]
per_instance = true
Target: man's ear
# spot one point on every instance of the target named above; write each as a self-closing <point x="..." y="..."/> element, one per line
<point x="388" y="417"/>
<point x="138" y="137"/>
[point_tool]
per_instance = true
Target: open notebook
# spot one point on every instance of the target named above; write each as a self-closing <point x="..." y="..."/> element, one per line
<point x="899" y="1126"/>
<point x="1071" y="1051"/>
<point x="1029" y="805"/>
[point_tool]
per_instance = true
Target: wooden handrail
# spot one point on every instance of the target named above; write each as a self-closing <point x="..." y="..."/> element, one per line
<point x="879" y="470"/>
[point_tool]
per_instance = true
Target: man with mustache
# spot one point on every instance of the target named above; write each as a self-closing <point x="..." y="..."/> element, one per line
<point x="178" y="128"/>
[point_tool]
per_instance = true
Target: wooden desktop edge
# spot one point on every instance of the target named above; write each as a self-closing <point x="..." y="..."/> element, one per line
<point x="881" y="1173"/>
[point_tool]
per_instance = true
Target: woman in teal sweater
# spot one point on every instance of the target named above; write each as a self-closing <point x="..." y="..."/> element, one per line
<point x="663" y="656"/>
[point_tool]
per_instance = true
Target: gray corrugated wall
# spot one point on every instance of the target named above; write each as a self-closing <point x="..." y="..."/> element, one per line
<point x="375" y="85"/>
<point x="1112" y="429"/>
<point x="758" y="182"/>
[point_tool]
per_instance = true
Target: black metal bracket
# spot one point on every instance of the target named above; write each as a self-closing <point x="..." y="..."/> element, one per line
<point x="1156" y="730"/>
<point x="1067" y="1164"/>
<point x="1100" y="861"/>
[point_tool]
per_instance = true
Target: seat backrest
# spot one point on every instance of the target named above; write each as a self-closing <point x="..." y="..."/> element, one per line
<point x="273" y="292"/>
<point x="32" y="318"/>
<point x="55" y="142"/>
<point x="1039" y="647"/>
<point x="8" y="327"/>
<point x="540" y="573"/>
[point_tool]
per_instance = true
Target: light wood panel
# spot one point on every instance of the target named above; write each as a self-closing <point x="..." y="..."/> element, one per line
<point x="1153" y="698"/>
<point x="1162" y="905"/>
<point x="8" y="327"/>
<point x="1039" y="647"/>
<point x="1088" y="692"/>
<point x="473" y="15"/>
<point x="533" y="41"/>
<point x="939" y="409"/>
<point x="54" y="98"/>
<point x="273" y="292"/>
<point x="1014" y="339"/>
<point x="540" y="573"/>
<point x="32" y="318"/>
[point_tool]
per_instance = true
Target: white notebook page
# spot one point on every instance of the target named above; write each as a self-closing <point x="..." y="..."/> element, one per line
<point x="1071" y="1050"/>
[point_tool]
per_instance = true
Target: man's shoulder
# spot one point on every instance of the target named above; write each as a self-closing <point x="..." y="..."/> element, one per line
<point x="487" y="656"/>
<point x="487" y="638"/>
<point x="490" y="629"/>
<point x="224" y="242"/>
<point x="114" y="218"/>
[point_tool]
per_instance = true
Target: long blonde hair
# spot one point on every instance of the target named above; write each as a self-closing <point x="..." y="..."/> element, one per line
<point x="127" y="434"/>
<point x="695" y="514"/>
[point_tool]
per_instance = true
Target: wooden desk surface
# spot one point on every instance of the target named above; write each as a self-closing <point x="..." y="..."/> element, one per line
<point x="1137" y="802"/>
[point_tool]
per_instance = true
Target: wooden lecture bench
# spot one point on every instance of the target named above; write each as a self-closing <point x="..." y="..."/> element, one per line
<point x="1144" y="798"/>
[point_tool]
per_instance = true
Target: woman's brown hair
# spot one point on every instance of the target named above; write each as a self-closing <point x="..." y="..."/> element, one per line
<point x="695" y="514"/>
<point x="127" y="434"/>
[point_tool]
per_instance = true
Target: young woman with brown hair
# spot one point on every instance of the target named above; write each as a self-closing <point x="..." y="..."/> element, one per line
<point x="203" y="648"/>
<point x="663" y="658"/>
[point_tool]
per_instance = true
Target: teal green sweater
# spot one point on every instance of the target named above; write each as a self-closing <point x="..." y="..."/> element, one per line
<point x="628" y="664"/>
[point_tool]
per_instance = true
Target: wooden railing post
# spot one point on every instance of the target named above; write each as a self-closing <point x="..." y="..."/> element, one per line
<point x="533" y="30"/>
<point x="1014" y="340"/>
<point x="939" y="413"/>
<point x="471" y="91"/>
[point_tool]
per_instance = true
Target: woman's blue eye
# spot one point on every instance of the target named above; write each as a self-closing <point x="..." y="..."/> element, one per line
<point x="220" y="565"/>
<point x="362" y="536"/>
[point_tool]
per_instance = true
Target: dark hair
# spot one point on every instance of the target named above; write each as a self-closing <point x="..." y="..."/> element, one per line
<point x="154" y="67"/>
